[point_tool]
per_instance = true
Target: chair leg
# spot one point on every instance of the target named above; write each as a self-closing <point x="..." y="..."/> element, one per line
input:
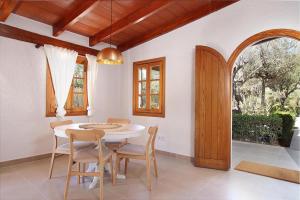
<point x="83" y="170"/>
<point x="126" y="165"/>
<point x="78" y="177"/>
<point x="148" y="172"/>
<point x="112" y="169"/>
<point x="68" y="179"/>
<point x="101" y="171"/>
<point x="51" y="165"/>
<point x="119" y="164"/>
<point x="116" y="171"/>
<point x="155" y="166"/>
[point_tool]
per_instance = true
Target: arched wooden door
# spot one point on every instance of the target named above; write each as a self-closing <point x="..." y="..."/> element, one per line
<point x="212" y="108"/>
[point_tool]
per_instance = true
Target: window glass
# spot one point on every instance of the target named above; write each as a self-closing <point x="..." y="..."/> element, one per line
<point x="78" y="100"/>
<point x="154" y="102"/>
<point x="142" y="74"/>
<point x="142" y="101"/>
<point x="78" y="87"/>
<point x="155" y="72"/>
<point x="79" y="71"/>
<point x="154" y="87"/>
<point x="142" y="87"/>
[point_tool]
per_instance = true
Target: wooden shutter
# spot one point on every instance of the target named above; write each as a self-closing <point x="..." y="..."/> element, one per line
<point x="212" y="110"/>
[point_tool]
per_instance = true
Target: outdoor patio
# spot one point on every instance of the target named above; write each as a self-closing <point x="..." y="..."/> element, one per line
<point x="265" y="154"/>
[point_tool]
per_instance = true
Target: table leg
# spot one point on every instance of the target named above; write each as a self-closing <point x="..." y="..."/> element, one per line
<point x="116" y="166"/>
<point x="94" y="167"/>
<point x="94" y="182"/>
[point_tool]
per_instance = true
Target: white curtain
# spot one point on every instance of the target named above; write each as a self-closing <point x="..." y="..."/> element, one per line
<point x="92" y="72"/>
<point x="62" y="64"/>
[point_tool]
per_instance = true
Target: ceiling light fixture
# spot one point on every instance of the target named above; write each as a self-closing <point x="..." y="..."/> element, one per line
<point x="110" y="55"/>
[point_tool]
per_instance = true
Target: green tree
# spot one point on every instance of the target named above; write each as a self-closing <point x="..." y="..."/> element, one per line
<point x="271" y="66"/>
<point x="287" y="58"/>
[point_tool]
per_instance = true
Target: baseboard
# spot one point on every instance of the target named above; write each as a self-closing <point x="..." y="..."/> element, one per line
<point x="174" y="155"/>
<point x="47" y="155"/>
<point x="27" y="159"/>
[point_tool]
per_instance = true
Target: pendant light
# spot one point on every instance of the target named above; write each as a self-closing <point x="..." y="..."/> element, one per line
<point x="110" y="55"/>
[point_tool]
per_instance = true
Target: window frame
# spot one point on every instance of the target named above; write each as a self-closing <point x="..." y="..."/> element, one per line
<point x="148" y="64"/>
<point x="50" y="94"/>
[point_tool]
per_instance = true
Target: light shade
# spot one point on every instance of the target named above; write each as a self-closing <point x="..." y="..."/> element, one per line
<point x="110" y="56"/>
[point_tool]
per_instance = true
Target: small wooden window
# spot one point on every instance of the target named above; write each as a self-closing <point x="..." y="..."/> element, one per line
<point x="149" y="87"/>
<point x="77" y="98"/>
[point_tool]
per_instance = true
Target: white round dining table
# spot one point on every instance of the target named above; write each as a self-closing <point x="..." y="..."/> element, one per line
<point x="123" y="131"/>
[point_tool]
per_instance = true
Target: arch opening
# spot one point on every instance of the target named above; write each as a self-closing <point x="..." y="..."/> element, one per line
<point x="255" y="40"/>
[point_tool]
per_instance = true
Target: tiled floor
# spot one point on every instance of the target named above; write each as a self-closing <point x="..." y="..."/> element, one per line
<point x="178" y="180"/>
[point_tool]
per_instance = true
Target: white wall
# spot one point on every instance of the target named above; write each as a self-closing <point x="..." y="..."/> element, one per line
<point x="24" y="129"/>
<point x="223" y="30"/>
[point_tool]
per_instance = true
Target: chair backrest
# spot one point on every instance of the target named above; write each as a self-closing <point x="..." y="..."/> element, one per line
<point x="89" y="135"/>
<point x="150" y="146"/>
<point x="85" y="135"/>
<point x="60" y="123"/>
<point x="118" y="121"/>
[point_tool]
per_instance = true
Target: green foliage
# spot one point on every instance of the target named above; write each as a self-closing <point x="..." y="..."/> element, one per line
<point x="277" y="108"/>
<point x="288" y="121"/>
<point x="256" y="128"/>
<point x="266" y="77"/>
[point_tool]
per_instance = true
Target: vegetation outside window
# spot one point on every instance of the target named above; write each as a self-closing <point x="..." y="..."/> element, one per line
<point x="149" y="87"/>
<point x="76" y="103"/>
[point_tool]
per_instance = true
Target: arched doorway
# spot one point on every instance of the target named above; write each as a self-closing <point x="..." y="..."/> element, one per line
<point x="259" y="37"/>
<point x="213" y="88"/>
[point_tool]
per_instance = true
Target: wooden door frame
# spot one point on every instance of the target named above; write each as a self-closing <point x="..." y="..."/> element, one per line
<point x="294" y="34"/>
<point x="259" y="37"/>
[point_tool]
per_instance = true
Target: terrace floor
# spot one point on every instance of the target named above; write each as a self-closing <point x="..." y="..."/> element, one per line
<point x="265" y="154"/>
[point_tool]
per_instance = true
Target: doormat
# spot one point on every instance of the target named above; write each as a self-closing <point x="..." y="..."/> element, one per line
<point x="269" y="171"/>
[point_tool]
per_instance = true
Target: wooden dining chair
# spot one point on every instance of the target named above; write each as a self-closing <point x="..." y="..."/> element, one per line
<point x="114" y="145"/>
<point x="88" y="155"/>
<point x="147" y="153"/>
<point x="64" y="148"/>
<point x="118" y="120"/>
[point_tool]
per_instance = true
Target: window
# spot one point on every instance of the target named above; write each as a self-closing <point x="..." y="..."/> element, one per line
<point x="149" y="87"/>
<point x="77" y="99"/>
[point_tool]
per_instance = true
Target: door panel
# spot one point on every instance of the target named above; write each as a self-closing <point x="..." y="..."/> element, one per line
<point x="212" y="110"/>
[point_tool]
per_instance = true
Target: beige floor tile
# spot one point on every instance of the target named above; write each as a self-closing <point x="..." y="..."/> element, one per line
<point x="178" y="180"/>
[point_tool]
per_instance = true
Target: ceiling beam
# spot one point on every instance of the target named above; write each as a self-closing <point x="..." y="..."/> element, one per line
<point x="40" y="40"/>
<point x="135" y="17"/>
<point x="81" y="9"/>
<point x="174" y="24"/>
<point x="6" y="8"/>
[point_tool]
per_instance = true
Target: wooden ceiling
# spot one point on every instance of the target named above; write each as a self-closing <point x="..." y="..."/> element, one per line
<point x="133" y="21"/>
